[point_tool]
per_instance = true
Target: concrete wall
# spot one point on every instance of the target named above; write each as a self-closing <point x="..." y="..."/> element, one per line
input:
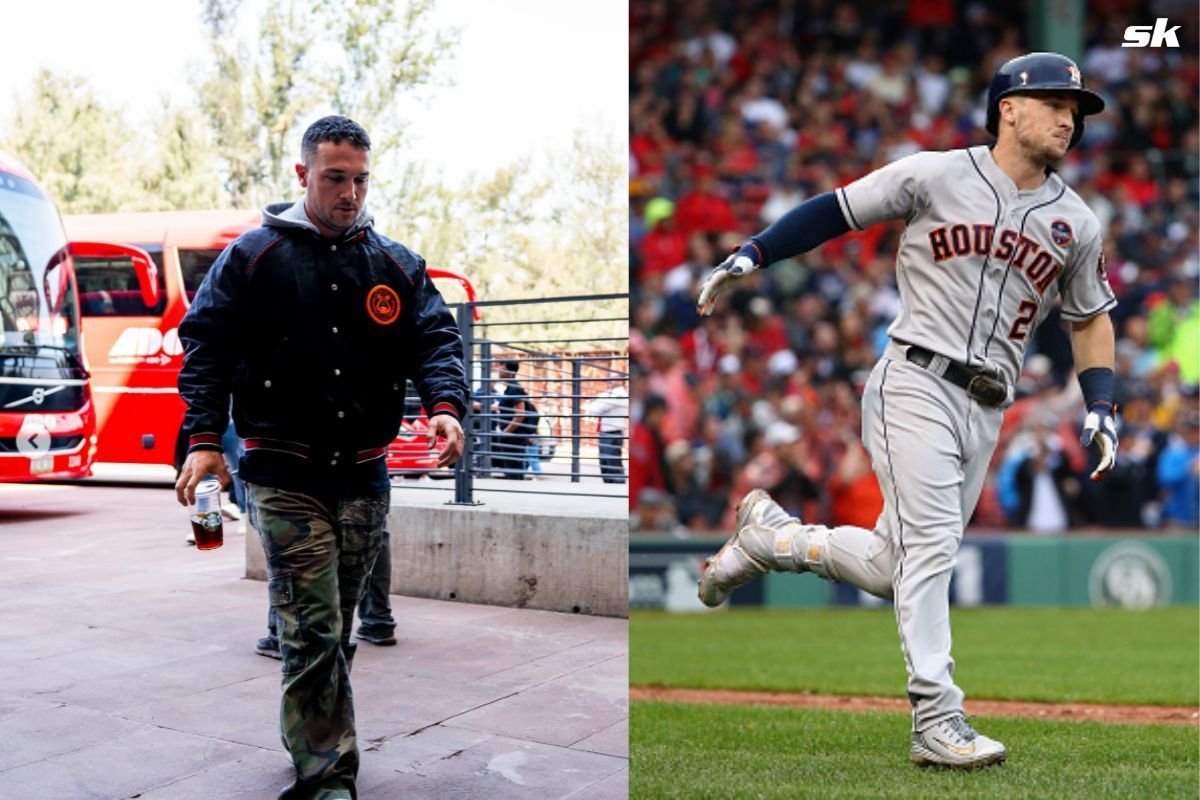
<point x="534" y="557"/>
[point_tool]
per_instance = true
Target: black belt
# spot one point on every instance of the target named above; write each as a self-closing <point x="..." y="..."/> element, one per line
<point x="982" y="386"/>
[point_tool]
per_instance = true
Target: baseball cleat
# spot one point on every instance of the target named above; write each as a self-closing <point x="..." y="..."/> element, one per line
<point x="758" y="506"/>
<point x="954" y="743"/>
<point x="748" y="553"/>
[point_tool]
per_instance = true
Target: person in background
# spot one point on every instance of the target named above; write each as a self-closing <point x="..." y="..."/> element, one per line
<point x="1046" y="485"/>
<point x="647" y="451"/>
<point x="533" y="449"/>
<point x="855" y="498"/>
<point x="611" y="410"/>
<point x="376" y="623"/>
<point x="1179" y="475"/>
<point x="513" y="437"/>
<point x="234" y="447"/>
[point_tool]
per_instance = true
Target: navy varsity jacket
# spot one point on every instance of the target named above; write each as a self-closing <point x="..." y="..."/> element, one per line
<point x="314" y="338"/>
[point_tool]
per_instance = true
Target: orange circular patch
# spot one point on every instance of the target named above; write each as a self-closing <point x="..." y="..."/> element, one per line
<point x="383" y="304"/>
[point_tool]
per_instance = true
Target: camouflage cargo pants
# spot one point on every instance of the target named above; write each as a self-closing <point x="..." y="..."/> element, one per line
<point x="319" y="551"/>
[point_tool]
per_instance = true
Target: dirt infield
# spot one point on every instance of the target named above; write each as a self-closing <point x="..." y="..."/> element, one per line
<point x="1074" y="712"/>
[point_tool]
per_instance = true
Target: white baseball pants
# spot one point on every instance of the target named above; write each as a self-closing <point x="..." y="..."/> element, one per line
<point x="930" y="445"/>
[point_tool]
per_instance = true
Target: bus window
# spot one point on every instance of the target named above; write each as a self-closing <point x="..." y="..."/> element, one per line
<point x="109" y="287"/>
<point x="195" y="265"/>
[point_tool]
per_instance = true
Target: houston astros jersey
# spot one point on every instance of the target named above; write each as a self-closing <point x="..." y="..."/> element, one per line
<point x="981" y="263"/>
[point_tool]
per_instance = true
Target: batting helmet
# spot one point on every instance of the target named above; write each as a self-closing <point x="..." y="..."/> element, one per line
<point x="1041" y="72"/>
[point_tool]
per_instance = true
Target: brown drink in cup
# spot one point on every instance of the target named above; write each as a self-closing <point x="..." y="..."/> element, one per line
<point x="207" y="526"/>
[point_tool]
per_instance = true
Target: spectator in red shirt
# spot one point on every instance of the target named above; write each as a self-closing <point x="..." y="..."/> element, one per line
<point x="854" y="494"/>
<point x="670" y="380"/>
<point x="1140" y="187"/>
<point x="703" y="210"/>
<point x="664" y="247"/>
<point x="738" y="158"/>
<point x="646" y="468"/>
<point x="764" y="328"/>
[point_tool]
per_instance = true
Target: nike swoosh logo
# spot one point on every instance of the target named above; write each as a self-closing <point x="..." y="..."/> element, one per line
<point x="962" y="751"/>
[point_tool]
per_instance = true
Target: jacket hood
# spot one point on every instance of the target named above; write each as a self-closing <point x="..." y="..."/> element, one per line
<point x="292" y="215"/>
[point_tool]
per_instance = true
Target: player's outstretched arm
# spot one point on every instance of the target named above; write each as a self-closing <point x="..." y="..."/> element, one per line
<point x="1093" y="345"/>
<point x="808" y="225"/>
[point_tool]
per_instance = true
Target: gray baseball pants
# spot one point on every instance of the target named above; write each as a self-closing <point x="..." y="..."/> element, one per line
<point x="930" y="445"/>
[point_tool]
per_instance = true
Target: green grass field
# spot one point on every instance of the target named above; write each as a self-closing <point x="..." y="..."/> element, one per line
<point x="1045" y="654"/>
<point x="707" y="751"/>
<point x="1039" y="654"/>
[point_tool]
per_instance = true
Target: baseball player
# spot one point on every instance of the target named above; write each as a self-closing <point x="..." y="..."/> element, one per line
<point x="993" y="239"/>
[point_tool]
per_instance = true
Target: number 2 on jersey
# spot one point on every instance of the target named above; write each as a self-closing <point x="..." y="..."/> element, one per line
<point x="1025" y="314"/>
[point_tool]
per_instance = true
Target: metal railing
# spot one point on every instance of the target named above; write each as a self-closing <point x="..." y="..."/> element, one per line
<point x="567" y="360"/>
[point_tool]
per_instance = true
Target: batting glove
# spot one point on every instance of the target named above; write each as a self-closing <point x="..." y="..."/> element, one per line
<point x="1100" y="426"/>
<point x="729" y="271"/>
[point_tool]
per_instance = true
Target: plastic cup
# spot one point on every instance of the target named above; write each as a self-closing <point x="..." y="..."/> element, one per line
<point x="207" y="525"/>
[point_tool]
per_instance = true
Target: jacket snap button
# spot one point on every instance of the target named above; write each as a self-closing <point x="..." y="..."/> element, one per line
<point x="334" y="330"/>
<point x="341" y="414"/>
<point x="333" y="463"/>
<point x="337" y="372"/>
<point x="333" y="247"/>
<point x="333" y="287"/>
<point x="267" y="384"/>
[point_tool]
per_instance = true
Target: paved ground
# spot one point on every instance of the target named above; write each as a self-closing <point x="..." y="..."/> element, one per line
<point x="127" y="670"/>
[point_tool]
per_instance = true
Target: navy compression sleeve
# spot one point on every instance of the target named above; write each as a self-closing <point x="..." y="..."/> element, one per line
<point x="808" y="225"/>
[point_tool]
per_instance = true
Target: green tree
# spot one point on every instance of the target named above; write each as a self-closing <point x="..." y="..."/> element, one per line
<point x="384" y="50"/>
<point x="82" y="152"/>
<point x="181" y="170"/>
<point x="354" y="59"/>
<point x="254" y="99"/>
<point x="590" y="216"/>
<point x="518" y="233"/>
<point x="483" y="227"/>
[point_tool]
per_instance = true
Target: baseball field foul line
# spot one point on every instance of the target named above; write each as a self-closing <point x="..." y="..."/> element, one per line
<point x="1074" y="712"/>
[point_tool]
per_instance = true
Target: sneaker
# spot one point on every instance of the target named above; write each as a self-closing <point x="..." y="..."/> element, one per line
<point x="191" y="538"/>
<point x="230" y="511"/>
<point x="954" y="743"/>
<point x="748" y="553"/>
<point x="269" y="646"/>
<point x="382" y="640"/>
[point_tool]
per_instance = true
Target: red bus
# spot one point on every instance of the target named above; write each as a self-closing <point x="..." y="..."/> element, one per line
<point x="133" y="345"/>
<point x="47" y="416"/>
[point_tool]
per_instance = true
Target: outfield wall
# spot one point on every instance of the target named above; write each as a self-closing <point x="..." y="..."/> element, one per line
<point x="1131" y="571"/>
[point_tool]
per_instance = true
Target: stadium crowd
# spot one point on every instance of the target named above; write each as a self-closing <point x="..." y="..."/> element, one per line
<point x="741" y="110"/>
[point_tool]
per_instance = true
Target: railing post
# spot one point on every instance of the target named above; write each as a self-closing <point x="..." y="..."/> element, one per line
<point x="576" y="427"/>
<point x="488" y="422"/>
<point x="464" y="478"/>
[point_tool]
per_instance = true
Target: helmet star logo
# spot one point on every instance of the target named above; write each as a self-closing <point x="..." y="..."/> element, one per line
<point x="1024" y="78"/>
<point x="1073" y="71"/>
